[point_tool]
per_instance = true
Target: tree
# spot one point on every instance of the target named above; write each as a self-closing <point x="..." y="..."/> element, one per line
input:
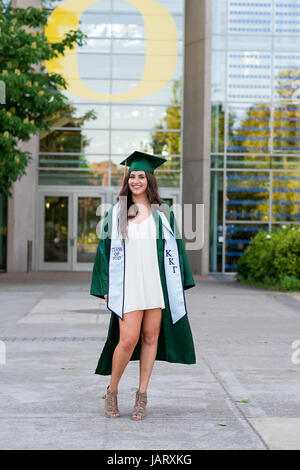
<point x="164" y="142"/>
<point x="33" y="96"/>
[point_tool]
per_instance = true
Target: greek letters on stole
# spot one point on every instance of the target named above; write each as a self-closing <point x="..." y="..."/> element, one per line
<point x="116" y="272"/>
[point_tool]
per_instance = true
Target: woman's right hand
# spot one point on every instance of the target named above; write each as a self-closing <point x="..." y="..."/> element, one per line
<point x="105" y="298"/>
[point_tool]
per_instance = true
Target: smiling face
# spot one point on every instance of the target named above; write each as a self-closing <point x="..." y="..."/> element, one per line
<point x="137" y="182"/>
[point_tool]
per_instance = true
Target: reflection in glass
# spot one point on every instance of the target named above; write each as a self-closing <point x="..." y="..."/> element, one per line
<point x="217" y="127"/>
<point x="95" y="45"/>
<point x="83" y="115"/>
<point x="87" y="240"/>
<point x="144" y="117"/>
<point x="128" y="66"/>
<point x="74" y="116"/>
<point x="250" y="19"/>
<point x="218" y="73"/>
<point x="286" y="19"/>
<point x="219" y="18"/>
<point x="248" y="161"/>
<point x="96" y="25"/>
<point x="161" y="97"/>
<point x="128" y="46"/>
<point x="132" y="66"/>
<point x="249" y="42"/>
<point x="131" y="26"/>
<point x="286" y="135"/>
<point x="173" y="6"/>
<point x="72" y="178"/>
<point x="103" y="5"/>
<point x="168" y="179"/>
<point x="286" y="44"/>
<point x="137" y="46"/>
<point x="56" y="229"/>
<point x="286" y="76"/>
<point x="169" y="143"/>
<point x="121" y="6"/>
<point x="247" y="196"/>
<point x="91" y="65"/>
<point x="99" y="85"/>
<point x="217" y="161"/>
<point x="126" y="142"/>
<point x="117" y="177"/>
<point x="73" y="161"/>
<point x="260" y="108"/>
<point x="216" y="220"/>
<point x="249" y="128"/>
<point x="286" y="197"/>
<point x="286" y="162"/>
<point x="75" y="141"/>
<point x="112" y="61"/>
<point x="249" y="76"/>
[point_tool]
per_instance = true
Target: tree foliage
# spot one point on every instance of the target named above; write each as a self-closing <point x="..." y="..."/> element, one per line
<point x="32" y="96"/>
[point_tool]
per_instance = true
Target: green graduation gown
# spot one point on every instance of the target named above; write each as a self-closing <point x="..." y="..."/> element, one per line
<point x="175" y="342"/>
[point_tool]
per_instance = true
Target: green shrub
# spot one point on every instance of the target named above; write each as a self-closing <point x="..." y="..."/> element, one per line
<point x="287" y="255"/>
<point x="272" y="259"/>
<point x="289" y="283"/>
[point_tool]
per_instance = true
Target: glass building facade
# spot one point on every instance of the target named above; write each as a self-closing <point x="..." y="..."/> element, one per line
<point x="125" y="94"/>
<point x="255" y="128"/>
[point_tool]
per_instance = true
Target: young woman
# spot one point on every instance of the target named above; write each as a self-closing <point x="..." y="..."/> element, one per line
<point x="141" y="270"/>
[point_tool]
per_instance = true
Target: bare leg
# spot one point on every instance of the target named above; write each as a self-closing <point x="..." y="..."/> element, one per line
<point x="150" y="332"/>
<point x="130" y="328"/>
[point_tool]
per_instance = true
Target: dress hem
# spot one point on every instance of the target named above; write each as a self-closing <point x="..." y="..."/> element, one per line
<point x="145" y="308"/>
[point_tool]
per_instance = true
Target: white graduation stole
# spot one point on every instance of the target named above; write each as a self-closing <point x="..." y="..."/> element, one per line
<point x="116" y="271"/>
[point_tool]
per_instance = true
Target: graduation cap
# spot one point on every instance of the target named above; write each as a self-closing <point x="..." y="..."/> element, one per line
<point x="140" y="161"/>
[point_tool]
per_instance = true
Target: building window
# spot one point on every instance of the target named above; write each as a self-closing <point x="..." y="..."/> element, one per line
<point x="86" y="145"/>
<point x="255" y="139"/>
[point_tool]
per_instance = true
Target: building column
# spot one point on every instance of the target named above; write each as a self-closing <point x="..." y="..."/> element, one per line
<point x="197" y="120"/>
<point x="22" y="206"/>
<point x="21" y="217"/>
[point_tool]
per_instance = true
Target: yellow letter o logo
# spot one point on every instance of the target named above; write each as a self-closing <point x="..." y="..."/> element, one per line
<point x="160" y="29"/>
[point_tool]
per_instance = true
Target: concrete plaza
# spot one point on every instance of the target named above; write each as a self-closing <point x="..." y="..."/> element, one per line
<point x="243" y="393"/>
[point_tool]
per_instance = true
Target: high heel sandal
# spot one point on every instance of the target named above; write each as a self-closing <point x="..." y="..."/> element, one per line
<point x="139" y="410"/>
<point x="111" y="404"/>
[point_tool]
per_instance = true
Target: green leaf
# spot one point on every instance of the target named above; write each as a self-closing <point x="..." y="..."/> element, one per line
<point x="33" y="97"/>
<point x="244" y="400"/>
<point x="222" y="423"/>
<point x="67" y="368"/>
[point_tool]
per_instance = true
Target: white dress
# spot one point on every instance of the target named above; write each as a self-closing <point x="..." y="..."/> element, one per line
<point x="143" y="288"/>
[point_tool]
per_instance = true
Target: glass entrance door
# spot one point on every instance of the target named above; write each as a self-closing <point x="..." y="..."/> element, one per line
<point x="68" y="239"/>
<point x="86" y="237"/>
<point x="54" y="231"/>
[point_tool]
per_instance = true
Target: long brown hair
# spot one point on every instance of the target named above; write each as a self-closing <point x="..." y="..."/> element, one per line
<point x="128" y="208"/>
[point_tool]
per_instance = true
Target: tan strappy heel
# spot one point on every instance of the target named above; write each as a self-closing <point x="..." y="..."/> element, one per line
<point x="139" y="410"/>
<point x="111" y="404"/>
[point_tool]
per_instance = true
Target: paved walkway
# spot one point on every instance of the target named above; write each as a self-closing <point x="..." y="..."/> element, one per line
<point x="243" y="393"/>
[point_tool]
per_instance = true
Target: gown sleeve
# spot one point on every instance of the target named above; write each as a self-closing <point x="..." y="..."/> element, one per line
<point x="188" y="280"/>
<point x="99" y="283"/>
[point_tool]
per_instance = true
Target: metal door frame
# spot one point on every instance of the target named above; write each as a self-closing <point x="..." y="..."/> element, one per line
<point x="72" y="194"/>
